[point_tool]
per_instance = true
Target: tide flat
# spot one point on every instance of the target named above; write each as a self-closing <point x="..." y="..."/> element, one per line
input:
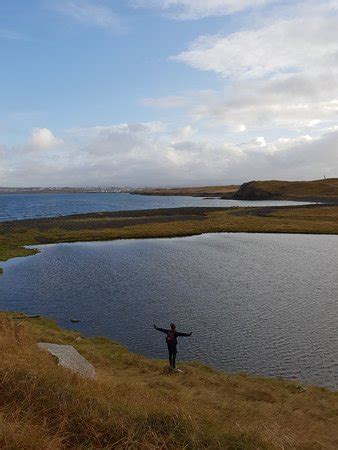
<point x="264" y="304"/>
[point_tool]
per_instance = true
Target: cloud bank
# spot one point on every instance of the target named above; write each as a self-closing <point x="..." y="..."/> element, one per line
<point x="284" y="46"/>
<point x="282" y="73"/>
<point x="149" y="154"/>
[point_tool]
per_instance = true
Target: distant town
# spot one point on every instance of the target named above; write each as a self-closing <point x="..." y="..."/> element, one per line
<point x="63" y="190"/>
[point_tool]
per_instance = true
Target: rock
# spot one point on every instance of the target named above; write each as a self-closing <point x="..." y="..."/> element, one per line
<point x="69" y="358"/>
<point x="301" y="388"/>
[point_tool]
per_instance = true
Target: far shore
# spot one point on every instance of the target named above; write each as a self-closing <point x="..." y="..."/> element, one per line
<point x="322" y="190"/>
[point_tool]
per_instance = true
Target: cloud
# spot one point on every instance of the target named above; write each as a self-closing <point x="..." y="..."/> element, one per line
<point x="89" y="13"/>
<point x="292" y="102"/>
<point x="281" y="74"/>
<point x="198" y="9"/>
<point x="286" y="46"/>
<point x="139" y="155"/>
<point x="42" y="139"/>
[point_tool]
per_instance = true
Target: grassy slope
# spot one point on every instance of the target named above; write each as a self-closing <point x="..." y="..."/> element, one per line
<point x="326" y="189"/>
<point x="164" y="223"/>
<point x="202" y="191"/>
<point x="135" y="403"/>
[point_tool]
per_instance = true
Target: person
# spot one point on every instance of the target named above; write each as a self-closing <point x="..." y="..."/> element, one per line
<point x="171" y="340"/>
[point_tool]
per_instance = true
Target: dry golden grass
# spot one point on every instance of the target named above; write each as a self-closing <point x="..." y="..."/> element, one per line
<point x="135" y="403"/>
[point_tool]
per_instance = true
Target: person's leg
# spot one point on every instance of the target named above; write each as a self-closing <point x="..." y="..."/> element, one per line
<point x="170" y="356"/>
<point x="174" y="357"/>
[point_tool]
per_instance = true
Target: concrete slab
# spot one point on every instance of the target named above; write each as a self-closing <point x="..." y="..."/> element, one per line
<point x="69" y="358"/>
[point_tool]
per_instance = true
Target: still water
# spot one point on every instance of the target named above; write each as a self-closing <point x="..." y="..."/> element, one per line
<point x="29" y="206"/>
<point x="261" y="304"/>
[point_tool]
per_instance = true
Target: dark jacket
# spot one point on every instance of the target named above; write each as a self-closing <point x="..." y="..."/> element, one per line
<point x="176" y="334"/>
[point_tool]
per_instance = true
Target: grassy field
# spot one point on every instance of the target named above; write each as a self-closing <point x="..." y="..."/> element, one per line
<point x="202" y="191"/>
<point x="320" y="190"/>
<point x="317" y="219"/>
<point x="136" y="403"/>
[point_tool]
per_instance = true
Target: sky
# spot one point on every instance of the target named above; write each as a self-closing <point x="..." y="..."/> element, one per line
<point x="167" y="92"/>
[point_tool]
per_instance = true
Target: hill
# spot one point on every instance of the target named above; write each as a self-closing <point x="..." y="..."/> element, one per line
<point x="318" y="190"/>
<point x="136" y="403"/>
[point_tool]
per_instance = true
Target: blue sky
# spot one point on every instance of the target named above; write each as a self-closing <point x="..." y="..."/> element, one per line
<point x="59" y="72"/>
<point x="167" y="92"/>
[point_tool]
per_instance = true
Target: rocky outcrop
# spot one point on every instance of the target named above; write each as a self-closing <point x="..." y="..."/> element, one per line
<point x="69" y="358"/>
<point x="252" y="191"/>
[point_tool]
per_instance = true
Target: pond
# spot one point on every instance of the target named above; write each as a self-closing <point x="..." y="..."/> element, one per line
<point x="264" y="304"/>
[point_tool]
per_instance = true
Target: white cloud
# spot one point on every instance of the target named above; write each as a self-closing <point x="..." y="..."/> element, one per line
<point x="89" y="13"/>
<point x="183" y="134"/>
<point x="282" y="74"/>
<point x="42" y="139"/>
<point x="293" y="102"/>
<point x="136" y="156"/>
<point x="286" y="46"/>
<point x="198" y="9"/>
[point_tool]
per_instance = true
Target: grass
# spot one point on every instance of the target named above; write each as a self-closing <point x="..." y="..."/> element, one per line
<point x="317" y="190"/>
<point x="136" y="403"/>
<point x="201" y="191"/>
<point x="321" y="190"/>
<point x="316" y="219"/>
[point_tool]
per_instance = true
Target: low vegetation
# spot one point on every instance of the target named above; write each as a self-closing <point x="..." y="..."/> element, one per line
<point x="318" y="190"/>
<point x="317" y="219"/>
<point x="136" y="403"/>
<point x="202" y="191"/>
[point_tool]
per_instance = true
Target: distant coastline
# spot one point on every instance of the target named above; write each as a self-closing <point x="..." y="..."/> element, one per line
<point x="63" y="190"/>
<point x="176" y="222"/>
<point x="324" y="190"/>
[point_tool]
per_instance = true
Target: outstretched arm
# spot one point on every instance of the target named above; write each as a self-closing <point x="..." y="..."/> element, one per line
<point x="183" y="334"/>
<point x="163" y="330"/>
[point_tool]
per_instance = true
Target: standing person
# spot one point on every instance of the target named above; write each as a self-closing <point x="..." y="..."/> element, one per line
<point x="171" y="340"/>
